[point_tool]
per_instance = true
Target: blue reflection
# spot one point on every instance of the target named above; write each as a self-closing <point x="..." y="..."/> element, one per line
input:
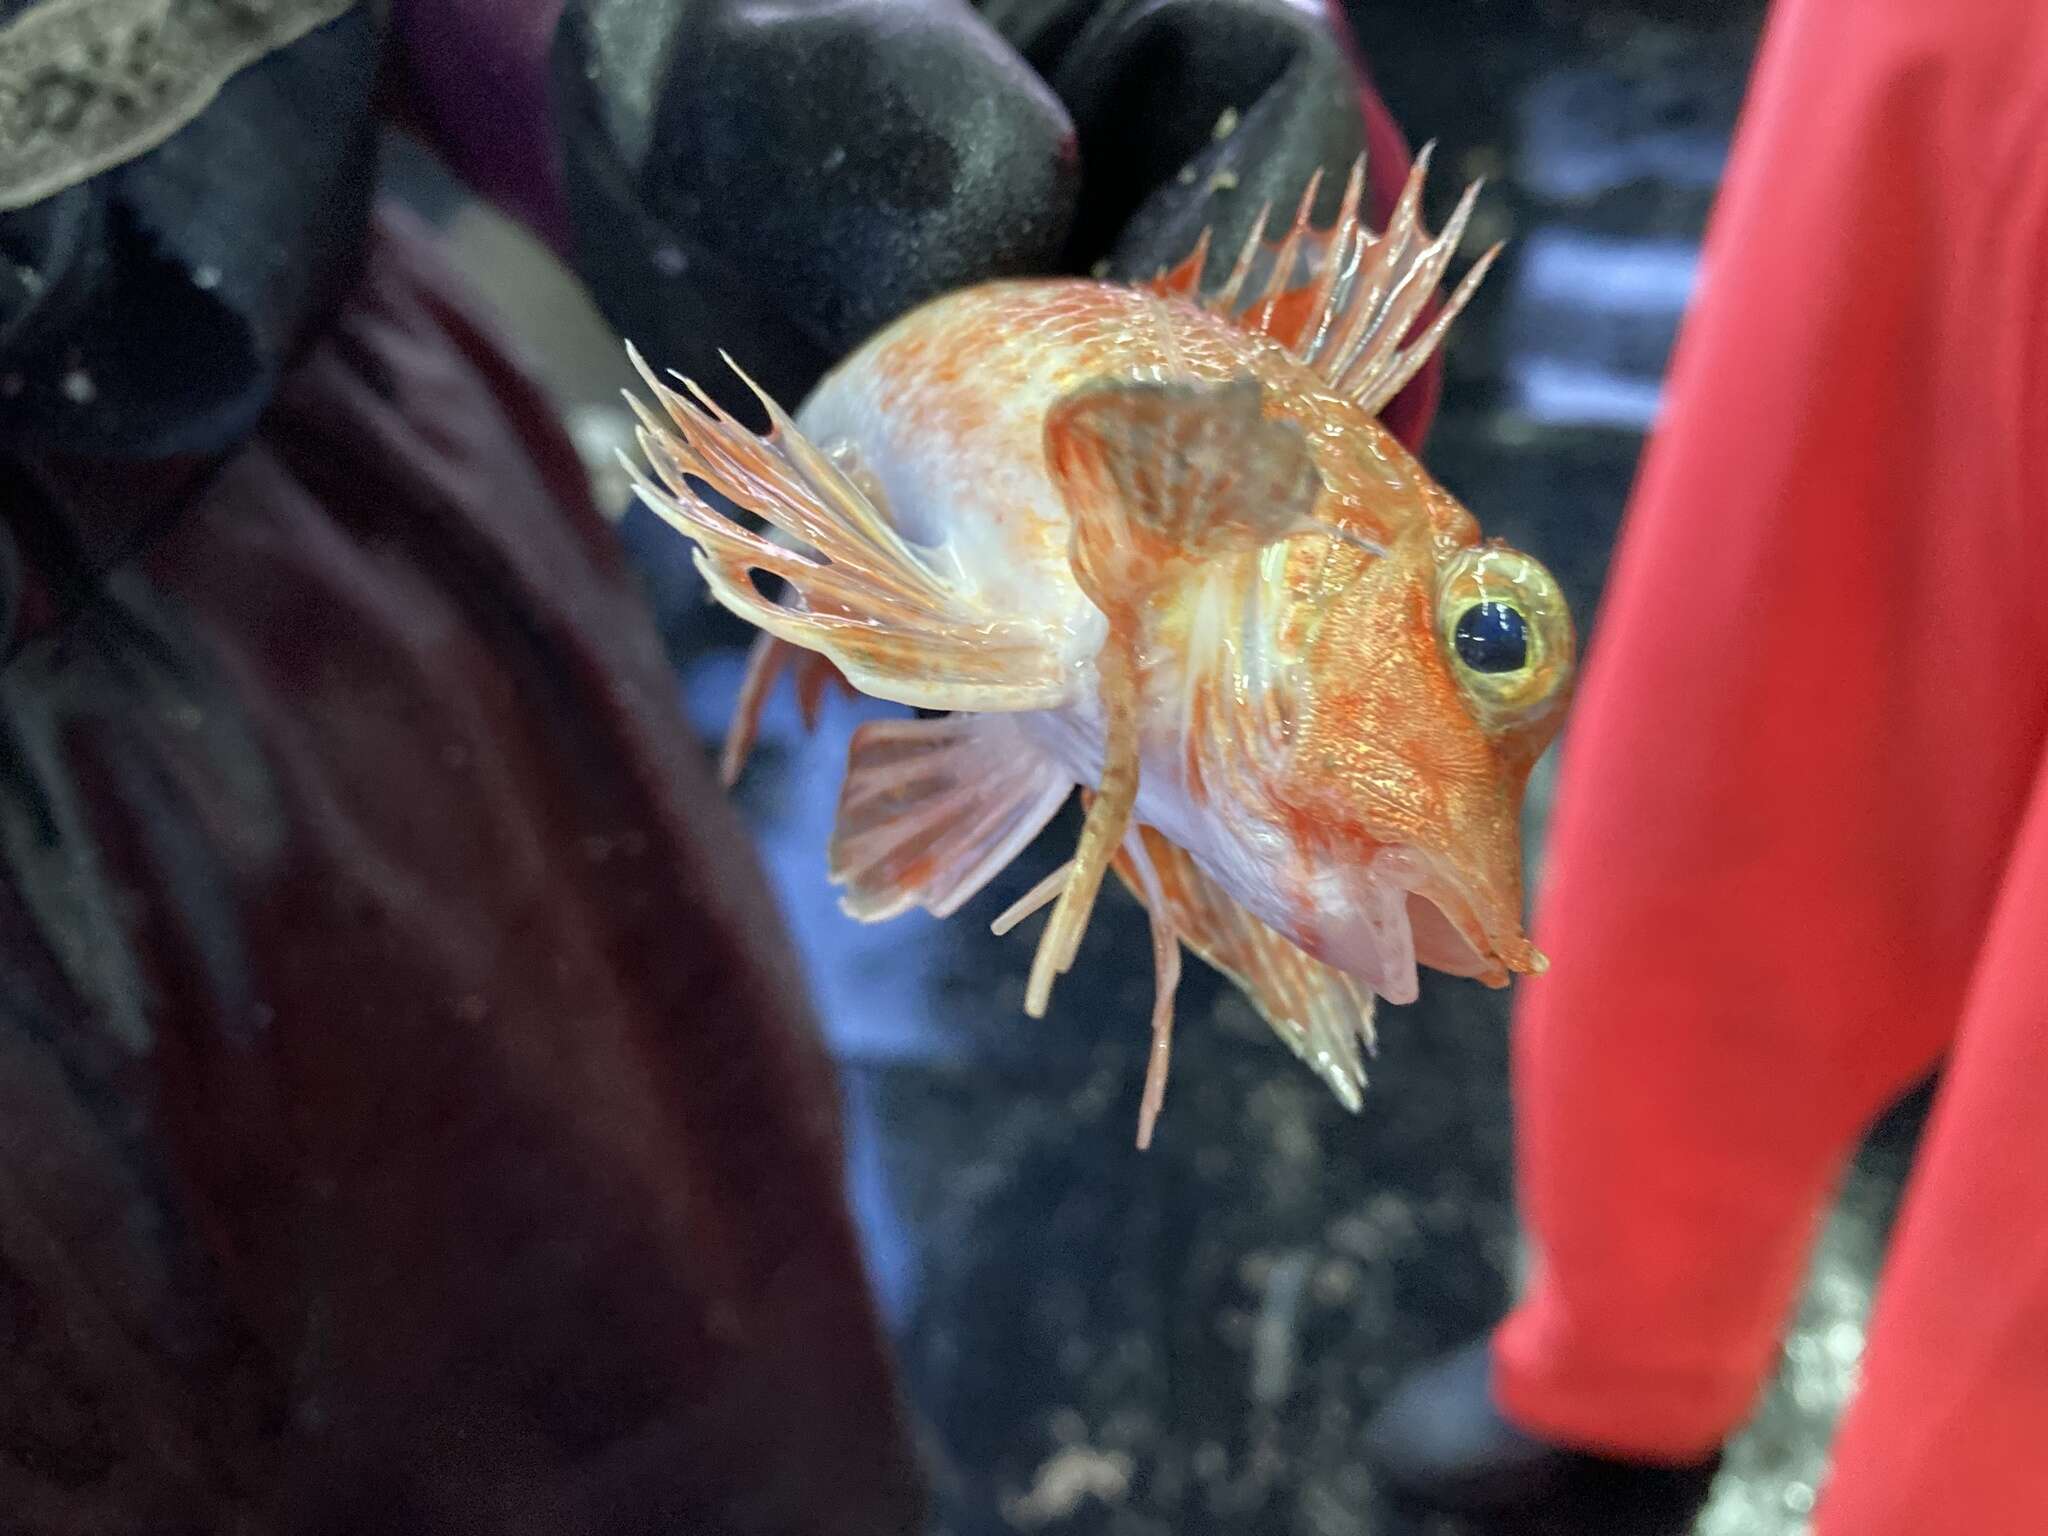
<point x="1591" y="324"/>
<point x="870" y="984"/>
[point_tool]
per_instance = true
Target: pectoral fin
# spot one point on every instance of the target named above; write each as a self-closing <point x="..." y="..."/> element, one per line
<point x="1161" y="477"/>
<point x="1161" y="480"/>
<point x="932" y="810"/>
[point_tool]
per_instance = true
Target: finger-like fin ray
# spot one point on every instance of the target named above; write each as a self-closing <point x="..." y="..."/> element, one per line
<point x="1158" y="479"/>
<point x="769" y="658"/>
<point x="1323" y="1015"/>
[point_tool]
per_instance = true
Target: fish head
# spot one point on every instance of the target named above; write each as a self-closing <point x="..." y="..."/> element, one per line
<point x="1427" y="681"/>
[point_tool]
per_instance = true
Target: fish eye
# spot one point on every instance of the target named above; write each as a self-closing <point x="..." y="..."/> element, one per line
<point x="1492" y="637"/>
<point x="1506" y="635"/>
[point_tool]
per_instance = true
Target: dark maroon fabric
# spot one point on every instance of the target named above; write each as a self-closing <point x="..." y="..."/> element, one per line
<point x="410" y="1119"/>
<point x="474" y="76"/>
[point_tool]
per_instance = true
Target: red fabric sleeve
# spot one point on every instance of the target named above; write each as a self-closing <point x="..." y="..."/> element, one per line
<point x="1813" y="706"/>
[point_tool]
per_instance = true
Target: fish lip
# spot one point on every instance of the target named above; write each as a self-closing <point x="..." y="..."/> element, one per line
<point x="1370" y="935"/>
<point x="1404" y="907"/>
<point x="1462" y="935"/>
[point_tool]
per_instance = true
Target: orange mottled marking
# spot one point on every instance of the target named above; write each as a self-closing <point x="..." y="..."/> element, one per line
<point x="1201" y="721"/>
<point x="912" y="873"/>
<point x="1289" y="315"/>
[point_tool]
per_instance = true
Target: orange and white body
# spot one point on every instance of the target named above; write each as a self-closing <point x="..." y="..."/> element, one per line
<point x="1157" y="546"/>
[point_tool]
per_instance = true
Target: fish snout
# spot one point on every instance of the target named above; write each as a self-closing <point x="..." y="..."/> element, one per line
<point x="1467" y="922"/>
<point x="1407" y="907"/>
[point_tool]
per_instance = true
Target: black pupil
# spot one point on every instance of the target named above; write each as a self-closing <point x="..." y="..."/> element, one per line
<point x="1492" y="637"/>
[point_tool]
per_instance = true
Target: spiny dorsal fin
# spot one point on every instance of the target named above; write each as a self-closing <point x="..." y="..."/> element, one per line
<point x="1348" y="314"/>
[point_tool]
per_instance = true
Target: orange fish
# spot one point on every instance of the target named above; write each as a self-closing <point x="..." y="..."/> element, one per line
<point x="1153" y="542"/>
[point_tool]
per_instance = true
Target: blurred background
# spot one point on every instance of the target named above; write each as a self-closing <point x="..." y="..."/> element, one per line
<point x="1098" y="1341"/>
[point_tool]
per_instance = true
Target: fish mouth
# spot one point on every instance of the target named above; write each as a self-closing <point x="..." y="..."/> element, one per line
<point x="1407" y="908"/>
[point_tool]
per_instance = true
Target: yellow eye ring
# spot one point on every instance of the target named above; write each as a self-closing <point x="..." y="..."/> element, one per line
<point x="1506" y="634"/>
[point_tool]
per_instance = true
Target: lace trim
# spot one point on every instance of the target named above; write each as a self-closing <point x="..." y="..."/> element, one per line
<point x="88" y="84"/>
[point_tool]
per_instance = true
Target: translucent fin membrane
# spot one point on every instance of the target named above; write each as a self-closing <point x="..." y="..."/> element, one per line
<point x="1343" y="300"/>
<point x="1324" y="1016"/>
<point x="856" y="591"/>
<point x="932" y="810"/>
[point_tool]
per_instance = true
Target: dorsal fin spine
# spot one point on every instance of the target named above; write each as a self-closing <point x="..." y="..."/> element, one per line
<point x="1350" y="320"/>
